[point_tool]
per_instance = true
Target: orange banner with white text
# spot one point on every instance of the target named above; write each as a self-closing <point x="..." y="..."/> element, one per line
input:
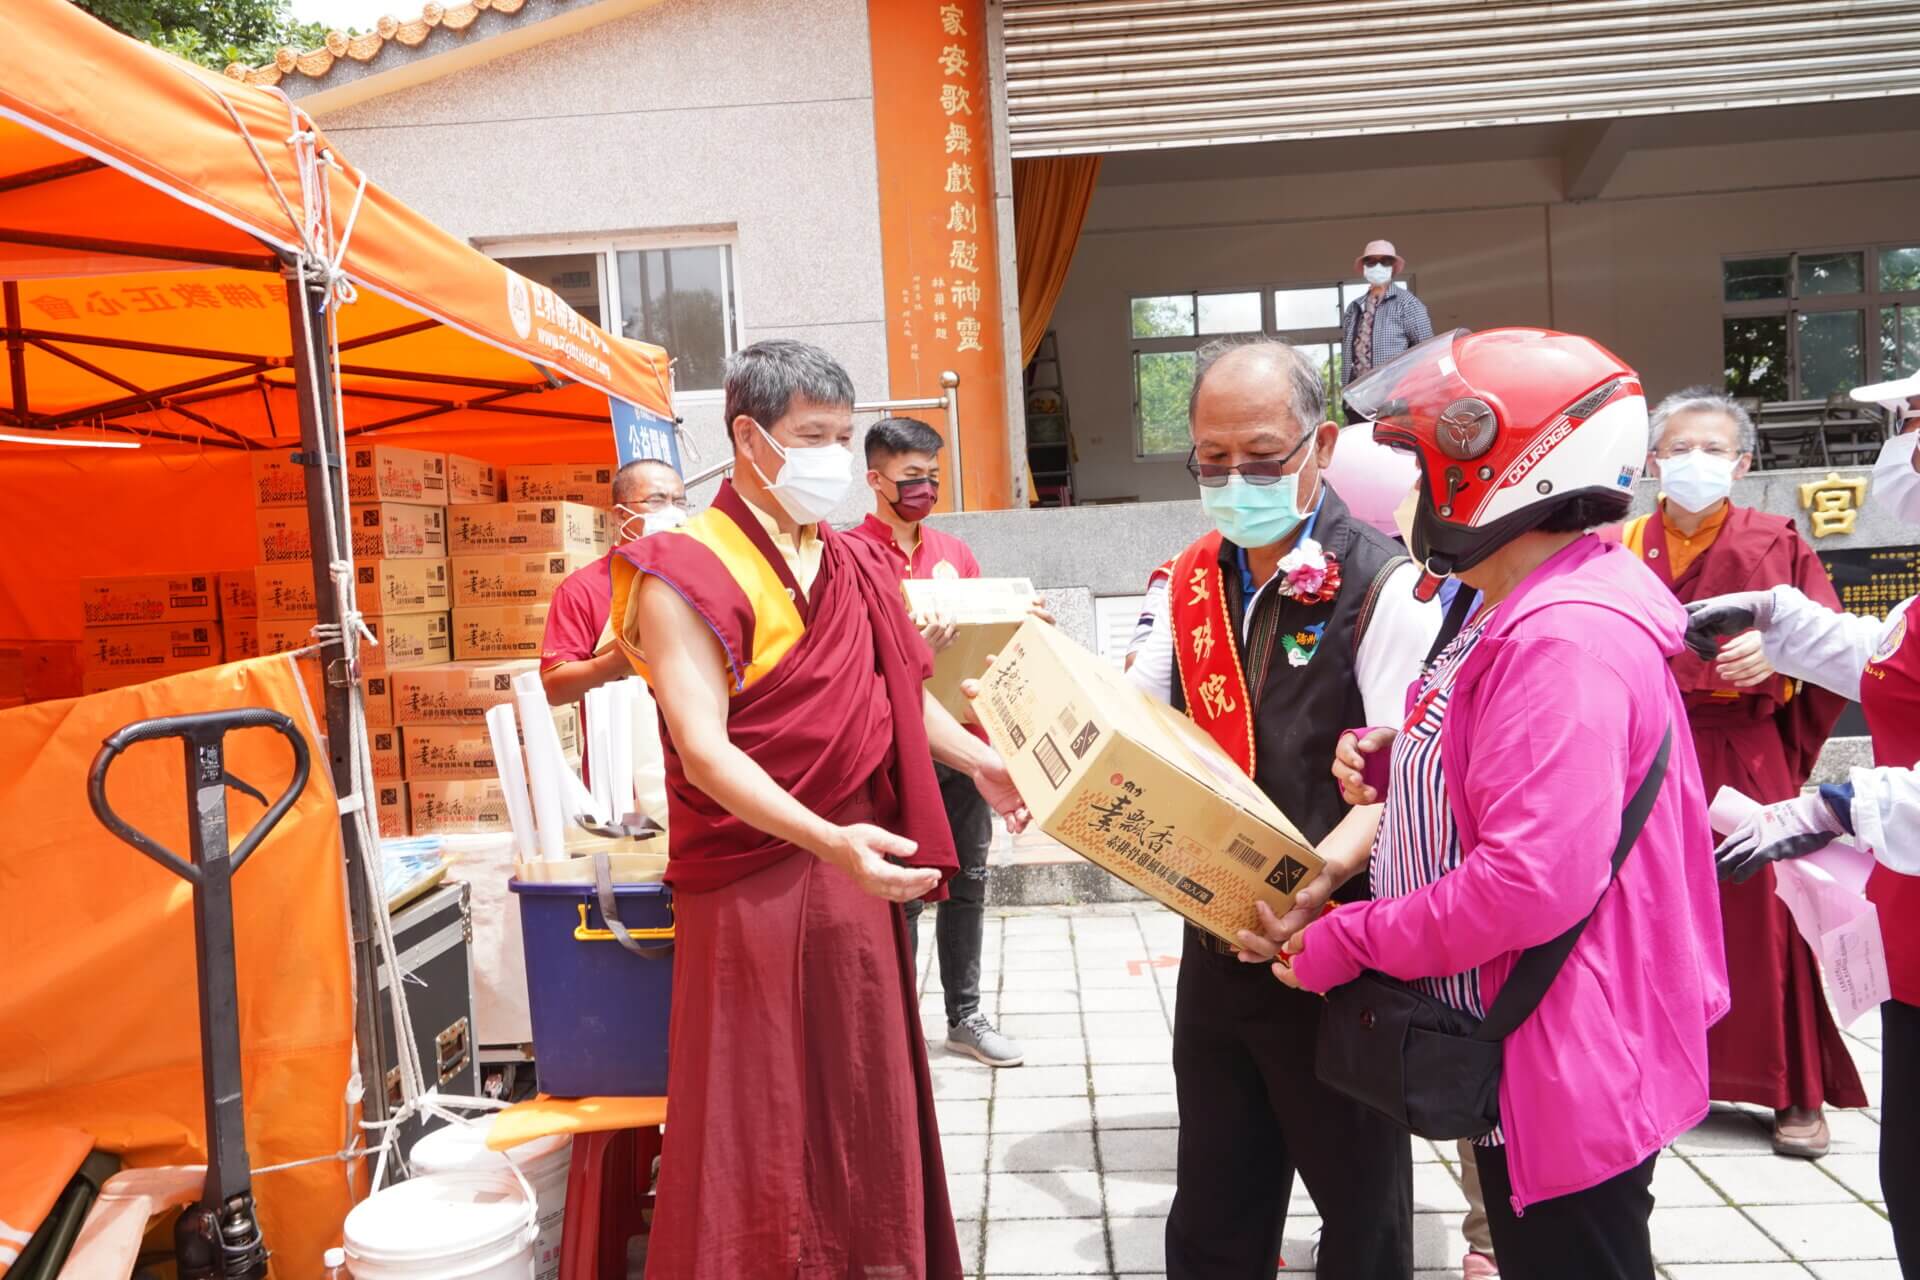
<point x="933" y="129"/>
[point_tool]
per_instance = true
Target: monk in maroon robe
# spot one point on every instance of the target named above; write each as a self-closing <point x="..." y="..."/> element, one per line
<point x="802" y="812"/>
<point x="1759" y="733"/>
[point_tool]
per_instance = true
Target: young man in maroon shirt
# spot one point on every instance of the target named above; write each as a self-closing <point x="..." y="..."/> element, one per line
<point x="903" y="469"/>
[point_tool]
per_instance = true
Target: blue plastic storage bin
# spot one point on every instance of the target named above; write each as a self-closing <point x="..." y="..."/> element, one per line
<point x="599" y="1011"/>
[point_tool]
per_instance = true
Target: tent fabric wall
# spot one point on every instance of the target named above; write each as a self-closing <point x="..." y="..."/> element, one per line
<point x="100" y="1004"/>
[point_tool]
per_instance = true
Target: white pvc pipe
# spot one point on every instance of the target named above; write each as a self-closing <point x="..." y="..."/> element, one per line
<point x="505" y="734"/>
<point x="599" y="713"/>
<point x="544" y="764"/>
<point x="619" y="757"/>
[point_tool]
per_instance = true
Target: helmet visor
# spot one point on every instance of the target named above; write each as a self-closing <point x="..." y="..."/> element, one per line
<point x="1410" y="391"/>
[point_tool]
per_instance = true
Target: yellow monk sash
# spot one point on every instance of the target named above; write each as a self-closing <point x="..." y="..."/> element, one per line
<point x="712" y="563"/>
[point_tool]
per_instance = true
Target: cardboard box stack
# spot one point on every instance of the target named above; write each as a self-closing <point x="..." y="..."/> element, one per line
<point x="502" y="631"/>
<point x="138" y="628"/>
<point x="1136" y="787"/>
<point x="448" y="779"/>
<point x="471" y="482"/>
<point x="239" y="614"/>
<point x="508" y="557"/>
<point x="38" y="671"/>
<point x="586" y="482"/>
<point x="397" y="520"/>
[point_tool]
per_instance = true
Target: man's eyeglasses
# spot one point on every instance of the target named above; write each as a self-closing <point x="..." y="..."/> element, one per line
<point x="1261" y="471"/>
<point x="657" y="502"/>
<point x="1711" y="450"/>
<point x="1376" y="262"/>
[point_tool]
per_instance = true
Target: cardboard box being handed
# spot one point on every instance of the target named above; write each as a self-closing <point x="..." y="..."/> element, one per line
<point x="986" y="612"/>
<point x="1137" y="788"/>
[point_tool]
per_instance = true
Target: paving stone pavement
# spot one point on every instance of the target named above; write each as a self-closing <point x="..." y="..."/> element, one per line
<point x="1064" y="1166"/>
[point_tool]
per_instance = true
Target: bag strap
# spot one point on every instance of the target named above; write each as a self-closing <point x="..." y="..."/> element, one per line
<point x="610" y="910"/>
<point x="1538" y="966"/>
<point x="1372" y="601"/>
<point x="1457" y="613"/>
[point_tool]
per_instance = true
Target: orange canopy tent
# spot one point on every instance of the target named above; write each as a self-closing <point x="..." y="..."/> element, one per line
<point x="188" y="266"/>
<point x="152" y="215"/>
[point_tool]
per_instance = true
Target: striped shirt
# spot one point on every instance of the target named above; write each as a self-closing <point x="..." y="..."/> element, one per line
<point x="1418" y="842"/>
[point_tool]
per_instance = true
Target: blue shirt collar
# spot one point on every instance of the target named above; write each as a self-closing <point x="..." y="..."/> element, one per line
<point x="1247" y="585"/>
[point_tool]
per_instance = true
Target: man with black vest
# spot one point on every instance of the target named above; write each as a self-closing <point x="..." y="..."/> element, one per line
<point x="1291" y="622"/>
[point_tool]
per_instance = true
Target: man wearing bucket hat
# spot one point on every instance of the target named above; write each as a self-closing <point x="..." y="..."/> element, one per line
<point x="1384" y="322"/>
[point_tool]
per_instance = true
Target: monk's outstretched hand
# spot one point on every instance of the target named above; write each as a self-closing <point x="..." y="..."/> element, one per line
<point x="863" y="851"/>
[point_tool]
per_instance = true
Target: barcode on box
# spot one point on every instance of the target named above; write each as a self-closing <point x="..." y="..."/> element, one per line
<point x="1052" y="763"/>
<point x="1004" y="711"/>
<point x="1241" y="850"/>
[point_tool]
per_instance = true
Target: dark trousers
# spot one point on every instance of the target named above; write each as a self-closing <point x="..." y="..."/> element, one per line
<point x="1900" y="1127"/>
<point x="958" y="925"/>
<point x="1251" y="1114"/>
<point x="1601" y="1233"/>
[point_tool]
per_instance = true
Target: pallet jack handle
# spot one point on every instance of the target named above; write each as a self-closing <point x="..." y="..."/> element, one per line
<point x="219" y="1238"/>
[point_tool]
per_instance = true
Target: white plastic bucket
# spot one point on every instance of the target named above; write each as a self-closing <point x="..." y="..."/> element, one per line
<point x="450" y="1226"/>
<point x="462" y="1148"/>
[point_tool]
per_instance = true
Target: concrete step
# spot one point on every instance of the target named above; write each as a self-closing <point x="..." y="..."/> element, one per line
<point x="1034" y="870"/>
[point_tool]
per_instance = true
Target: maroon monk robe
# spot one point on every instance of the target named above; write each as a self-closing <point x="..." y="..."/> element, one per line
<point x="801" y="1139"/>
<point x="1778" y="1047"/>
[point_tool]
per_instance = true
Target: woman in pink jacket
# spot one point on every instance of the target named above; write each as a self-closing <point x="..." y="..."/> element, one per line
<point x="1523" y="740"/>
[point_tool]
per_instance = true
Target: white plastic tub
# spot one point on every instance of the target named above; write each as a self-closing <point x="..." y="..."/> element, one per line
<point x="449" y="1226"/>
<point x="462" y="1148"/>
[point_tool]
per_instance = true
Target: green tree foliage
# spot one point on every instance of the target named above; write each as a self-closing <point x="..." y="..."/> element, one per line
<point x="1164" y="380"/>
<point x="212" y="33"/>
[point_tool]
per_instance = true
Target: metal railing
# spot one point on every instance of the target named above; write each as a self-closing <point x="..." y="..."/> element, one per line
<point x="947" y="402"/>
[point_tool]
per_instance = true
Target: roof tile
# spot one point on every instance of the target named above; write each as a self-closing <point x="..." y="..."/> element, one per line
<point x="315" y="64"/>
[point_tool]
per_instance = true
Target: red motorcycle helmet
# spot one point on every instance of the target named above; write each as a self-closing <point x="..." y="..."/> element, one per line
<point x="1509" y="426"/>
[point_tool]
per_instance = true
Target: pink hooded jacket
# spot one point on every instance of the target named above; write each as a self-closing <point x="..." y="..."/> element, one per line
<point x="1553" y="721"/>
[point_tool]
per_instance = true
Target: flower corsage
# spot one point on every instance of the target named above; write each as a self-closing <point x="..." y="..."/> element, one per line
<point x="1308" y="574"/>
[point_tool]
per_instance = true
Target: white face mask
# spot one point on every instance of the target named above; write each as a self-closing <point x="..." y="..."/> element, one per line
<point x="1895" y="482"/>
<point x="1696" y="480"/>
<point x="1377" y="274"/>
<point x="811" y="482"/>
<point x="638" y="524"/>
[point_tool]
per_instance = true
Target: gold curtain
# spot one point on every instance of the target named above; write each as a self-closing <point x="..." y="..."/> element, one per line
<point x="1050" y="198"/>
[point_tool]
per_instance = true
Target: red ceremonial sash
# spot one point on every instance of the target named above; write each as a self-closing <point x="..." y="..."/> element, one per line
<point x="1204" y="652"/>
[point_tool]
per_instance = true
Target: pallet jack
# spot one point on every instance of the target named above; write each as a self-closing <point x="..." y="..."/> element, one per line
<point x="218" y="1237"/>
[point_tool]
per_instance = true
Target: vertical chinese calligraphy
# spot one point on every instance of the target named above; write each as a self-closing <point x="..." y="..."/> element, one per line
<point x="934" y="135"/>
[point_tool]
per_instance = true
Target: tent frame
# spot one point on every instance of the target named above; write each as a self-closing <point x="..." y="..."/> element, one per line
<point x="305" y="309"/>
<point x="310" y="352"/>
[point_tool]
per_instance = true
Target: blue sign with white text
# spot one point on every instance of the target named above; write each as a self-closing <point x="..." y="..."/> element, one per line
<point x="639" y="433"/>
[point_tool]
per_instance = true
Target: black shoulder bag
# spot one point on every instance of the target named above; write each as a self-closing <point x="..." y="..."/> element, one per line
<point x="1429" y="1066"/>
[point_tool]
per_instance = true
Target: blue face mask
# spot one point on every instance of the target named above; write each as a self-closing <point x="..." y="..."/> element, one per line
<point x="1254" y="515"/>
